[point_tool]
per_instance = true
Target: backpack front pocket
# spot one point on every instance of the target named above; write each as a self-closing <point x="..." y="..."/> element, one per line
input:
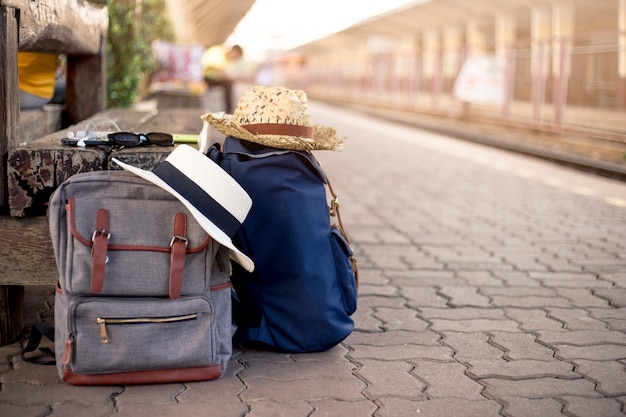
<point x="136" y="334"/>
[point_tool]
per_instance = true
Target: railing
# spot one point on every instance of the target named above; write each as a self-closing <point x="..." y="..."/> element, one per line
<point x="569" y="84"/>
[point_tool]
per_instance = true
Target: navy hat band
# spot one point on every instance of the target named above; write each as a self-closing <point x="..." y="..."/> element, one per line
<point x="202" y="201"/>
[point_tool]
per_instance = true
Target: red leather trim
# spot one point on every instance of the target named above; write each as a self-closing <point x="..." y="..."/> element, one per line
<point x="68" y="350"/>
<point x="71" y="215"/>
<point x="221" y="287"/>
<point x="71" y="218"/>
<point x="202" y="246"/>
<point x="177" y="257"/>
<point x="99" y="250"/>
<point x="197" y="249"/>
<point x="280" y="129"/>
<point x="205" y="373"/>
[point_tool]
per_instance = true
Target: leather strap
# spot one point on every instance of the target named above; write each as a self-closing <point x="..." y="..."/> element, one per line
<point x="280" y="129"/>
<point x="100" y="242"/>
<point x="178" y="247"/>
<point x="68" y="351"/>
<point x="334" y="211"/>
<point x="153" y="376"/>
<point x="39" y="330"/>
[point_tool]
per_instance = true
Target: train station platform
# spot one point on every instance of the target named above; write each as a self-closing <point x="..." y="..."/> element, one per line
<point x="491" y="284"/>
<point x="600" y="152"/>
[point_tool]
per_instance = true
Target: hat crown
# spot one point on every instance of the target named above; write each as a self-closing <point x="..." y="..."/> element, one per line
<point x="261" y="104"/>
<point x="276" y="117"/>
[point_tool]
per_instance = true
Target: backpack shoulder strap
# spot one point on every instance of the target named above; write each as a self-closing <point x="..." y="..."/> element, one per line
<point x="39" y="330"/>
<point x="333" y="211"/>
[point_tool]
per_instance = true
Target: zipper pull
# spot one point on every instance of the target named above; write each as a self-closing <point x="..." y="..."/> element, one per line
<point x="66" y="357"/>
<point x="104" y="337"/>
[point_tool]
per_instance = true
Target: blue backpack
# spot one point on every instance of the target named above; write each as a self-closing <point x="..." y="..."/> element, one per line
<point x="303" y="290"/>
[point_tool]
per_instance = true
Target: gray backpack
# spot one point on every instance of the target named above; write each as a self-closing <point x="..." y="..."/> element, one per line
<point x="143" y="293"/>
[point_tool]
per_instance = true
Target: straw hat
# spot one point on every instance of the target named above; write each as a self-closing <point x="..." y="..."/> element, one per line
<point x="276" y="117"/>
<point x="213" y="197"/>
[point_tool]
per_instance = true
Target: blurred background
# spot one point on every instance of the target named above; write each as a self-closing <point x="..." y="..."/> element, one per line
<point x="539" y="65"/>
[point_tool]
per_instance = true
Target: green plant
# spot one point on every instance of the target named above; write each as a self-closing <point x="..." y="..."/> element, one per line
<point x="133" y="25"/>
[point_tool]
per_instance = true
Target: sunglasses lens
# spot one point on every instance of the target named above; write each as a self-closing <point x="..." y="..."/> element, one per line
<point x="161" y="139"/>
<point x="125" y="138"/>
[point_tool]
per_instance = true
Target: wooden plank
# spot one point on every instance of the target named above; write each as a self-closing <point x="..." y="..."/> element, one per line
<point x="11" y="313"/>
<point x="184" y="121"/>
<point x="72" y="27"/>
<point x="35" y="124"/>
<point x="34" y="171"/>
<point x="180" y="120"/>
<point x="145" y="157"/>
<point x="78" y="29"/>
<point x="26" y="254"/>
<point x="9" y="93"/>
<point x="85" y="92"/>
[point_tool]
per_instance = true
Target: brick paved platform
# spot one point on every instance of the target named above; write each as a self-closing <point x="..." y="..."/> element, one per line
<point x="492" y="284"/>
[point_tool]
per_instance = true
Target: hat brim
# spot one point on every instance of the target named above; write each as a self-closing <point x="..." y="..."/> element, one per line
<point x="324" y="138"/>
<point x="214" y="231"/>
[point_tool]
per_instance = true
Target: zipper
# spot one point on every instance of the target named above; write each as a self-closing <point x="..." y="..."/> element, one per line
<point x="312" y="161"/>
<point x="68" y="350"/>
<point x="259" y="156"/>
<point x="102" y="322"/>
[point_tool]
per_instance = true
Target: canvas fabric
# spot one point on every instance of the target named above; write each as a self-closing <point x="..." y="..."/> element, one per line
<point x="302" y="293"/>
<point x="153" y="332"/>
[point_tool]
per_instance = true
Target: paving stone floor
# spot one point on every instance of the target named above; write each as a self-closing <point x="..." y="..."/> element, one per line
<point x="491" y="284"/>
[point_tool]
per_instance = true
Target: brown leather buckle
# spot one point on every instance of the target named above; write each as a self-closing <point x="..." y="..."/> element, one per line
<point x="182" y="239"/>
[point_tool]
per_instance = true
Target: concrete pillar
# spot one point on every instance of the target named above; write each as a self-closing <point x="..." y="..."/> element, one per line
<point x="477" y="41"/>
<point x="452" y="50"/>
<point x="563" y="13"/>
<point x="476" y="45"/>
<point x="563" y="22"/>
<point x="405" y="68"/>
<point x="621" y="17"/>
<point x="431" y="58"/>
<point x="505" y="37"/>
<point x="540" y="33"/>
<point x="431" y="46"/>
<point x="179" y="11"/>
<point x="505" y="32"/>
<point x="417" y="66"/>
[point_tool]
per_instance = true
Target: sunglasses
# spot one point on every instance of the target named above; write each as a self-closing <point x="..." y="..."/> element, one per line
<point x="131" y="139"/>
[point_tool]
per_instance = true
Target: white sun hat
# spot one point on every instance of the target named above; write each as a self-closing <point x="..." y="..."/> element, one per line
<point x="212" y="196"/>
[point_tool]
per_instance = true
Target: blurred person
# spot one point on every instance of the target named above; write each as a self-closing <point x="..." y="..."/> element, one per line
<point x="213" y="64"/>
<point x="224" y="68"/>
<point x="237" y="68"/>
<point x="37" y="76"/>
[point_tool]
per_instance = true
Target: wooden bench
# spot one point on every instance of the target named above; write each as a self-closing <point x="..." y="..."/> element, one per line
<point x="77" y="29"/>
<point x="31" y="169"/>
<point x="36" y="169"/>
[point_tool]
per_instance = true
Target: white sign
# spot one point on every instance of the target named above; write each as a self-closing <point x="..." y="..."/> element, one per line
<point x="482" y="80"/>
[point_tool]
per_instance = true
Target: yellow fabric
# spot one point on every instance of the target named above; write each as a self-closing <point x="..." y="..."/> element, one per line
<point x="37" y="73"/>
<point x="213" y="61"/>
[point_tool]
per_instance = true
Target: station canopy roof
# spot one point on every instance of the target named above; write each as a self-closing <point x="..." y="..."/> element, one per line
<point x="416" y="17"/>
<point x="206" y="22"/>
<point x="210" y="22"/>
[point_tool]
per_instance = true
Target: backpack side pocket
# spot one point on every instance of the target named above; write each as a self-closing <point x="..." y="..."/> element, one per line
<point x="345" y="274"/>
